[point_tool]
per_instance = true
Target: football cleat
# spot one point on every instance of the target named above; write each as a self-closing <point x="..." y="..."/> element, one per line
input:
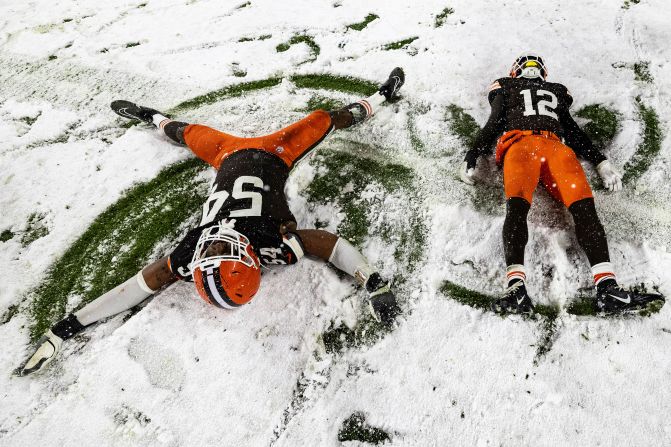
<point x="47" y="348"/>
<point x="515" y="300"/>
<point x="225" y="269"/>
<point x="529" y="65"/>
<point x="382" y="302"/>
<point x="132" y="111"/>
<point x="392" y="85"/>
<point x="611" y="298"/>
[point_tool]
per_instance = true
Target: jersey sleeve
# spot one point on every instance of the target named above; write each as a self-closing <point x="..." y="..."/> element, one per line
<point x="485" y="138"/>
<point x="494" y="89"/>
<point x="289" y="251"/>
<point x="179" y="259"/>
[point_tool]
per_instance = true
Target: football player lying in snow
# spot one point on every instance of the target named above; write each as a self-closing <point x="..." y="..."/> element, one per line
<point x="538" y="141"/>
<point x="246" y="221"/>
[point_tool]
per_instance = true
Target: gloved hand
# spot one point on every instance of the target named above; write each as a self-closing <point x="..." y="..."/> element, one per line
<point x="468" y="167"/>
<point x="383" y="304"/>
<point x="611" y="178"/>
<point x="47" y="348"/>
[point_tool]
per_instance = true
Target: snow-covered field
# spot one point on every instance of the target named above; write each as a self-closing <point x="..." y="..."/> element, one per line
<point x="181" y="373"/>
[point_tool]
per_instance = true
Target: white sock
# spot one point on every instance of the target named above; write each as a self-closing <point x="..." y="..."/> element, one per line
<point x="121" y="298"/>
<point x="159" y="119"/>
<point x="372" y="103"/>
<point x="348" y="259"/>
<point x="602" y="271"/>
<point x="515" y="271"/>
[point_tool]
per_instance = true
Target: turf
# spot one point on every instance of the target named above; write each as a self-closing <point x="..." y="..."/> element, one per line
<point x="650" y="145"/>
<point x="355" y="428"/>
<point x="399" y="44"/>
<point x="603" y="124"/>
<point x="364" y="23"/>
<point x="301" y="38"/>
<point x="119" y="242"/>
<point x="442" y="17"/>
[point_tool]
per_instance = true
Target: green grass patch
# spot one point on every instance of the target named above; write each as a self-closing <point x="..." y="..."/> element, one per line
<point x="649" y="147"/>
<point x="35" y="229"/>
<point x="603" y="124"/>
<point x="442" y="17"/>
<point x="9" y="314"/>
<point x="545" y="314"/>
<point x="343" y="177"/>
<point x="343" y="84"/>
<point x="355" y="428"/>
<point x="364" y="23"/>
<point x="223" y="93"/>
<point x="336" y="339"/>
<point x="131" y="44"/>
<point x="319" y="102"/>
<point x="243" y="5"/>
<point x="642" y="72"/>
<point x="462" y="124"/>
<point x="627" y="3"/>
<point x="301" y="38"/>
<point x="119" y="241"/>
<point x="6" y="235"/>
<point x="52" y="57"/>
<point x="29" y="120"/>
<point x="399" y="44"/>
<point x="251" y="39"/>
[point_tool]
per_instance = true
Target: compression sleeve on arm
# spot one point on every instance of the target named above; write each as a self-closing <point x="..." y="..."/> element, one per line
<point x="121" y="298"/>
<point x="485" y="139"/>
<point x="577" y="139"/>
<point x="348" y="259"/>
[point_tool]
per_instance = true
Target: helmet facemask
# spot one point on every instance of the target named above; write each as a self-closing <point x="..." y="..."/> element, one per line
<point x="529" y="66"/>
<point x="221" y="243"/>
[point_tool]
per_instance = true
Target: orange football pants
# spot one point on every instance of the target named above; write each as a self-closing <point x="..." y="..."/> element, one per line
<point x="529" y="158"/>
<point x="289" y="144"/>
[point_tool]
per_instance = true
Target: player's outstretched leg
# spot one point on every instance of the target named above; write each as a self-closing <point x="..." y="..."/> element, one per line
<point x="173" y="129"/>
<point x="361" y="110"/>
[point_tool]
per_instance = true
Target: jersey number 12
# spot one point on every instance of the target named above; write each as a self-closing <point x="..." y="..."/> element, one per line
<point x="545" y="107"/>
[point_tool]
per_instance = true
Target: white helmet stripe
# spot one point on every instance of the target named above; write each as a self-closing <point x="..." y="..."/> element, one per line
<point x="214" y="292"/>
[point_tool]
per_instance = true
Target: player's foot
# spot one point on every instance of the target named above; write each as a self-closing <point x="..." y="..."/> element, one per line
<point x="132" y="111"/>
<point x="382" y="301"/>
<point x="515" y="300"/>
<point x="47" y="348"/>
<point x="392" y="85"/>
<point x="611" y="298"/>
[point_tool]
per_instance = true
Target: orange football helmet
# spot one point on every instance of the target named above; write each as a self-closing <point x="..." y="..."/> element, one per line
<point x="225" y="268"/>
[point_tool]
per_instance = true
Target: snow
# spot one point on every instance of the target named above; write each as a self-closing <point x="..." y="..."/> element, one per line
<point x="181" y="373"/>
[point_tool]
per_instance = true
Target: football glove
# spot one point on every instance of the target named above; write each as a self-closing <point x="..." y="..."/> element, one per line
<point x="382" y="302"/>
<point x="467" y="170"/>
<point x="47" y="348"/>
<point x="611" y="179"/>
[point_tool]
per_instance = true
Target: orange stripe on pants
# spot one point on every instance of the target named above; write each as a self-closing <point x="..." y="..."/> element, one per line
<point x="290" y="143"/>
<point x="534" y="158"/>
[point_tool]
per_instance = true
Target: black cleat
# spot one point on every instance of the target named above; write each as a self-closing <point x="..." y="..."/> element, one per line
<point x="392" y="85"/>
<point x="515" y="300"/>
<point x="134" y="112"/>
<point x="611" y="298"/>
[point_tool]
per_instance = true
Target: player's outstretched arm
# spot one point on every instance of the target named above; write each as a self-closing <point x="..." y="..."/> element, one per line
<point x="362" y="110"/>
<point x="121" y="298"/>
<point x="344" y="256"/>
<point x="485" y="138"/>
